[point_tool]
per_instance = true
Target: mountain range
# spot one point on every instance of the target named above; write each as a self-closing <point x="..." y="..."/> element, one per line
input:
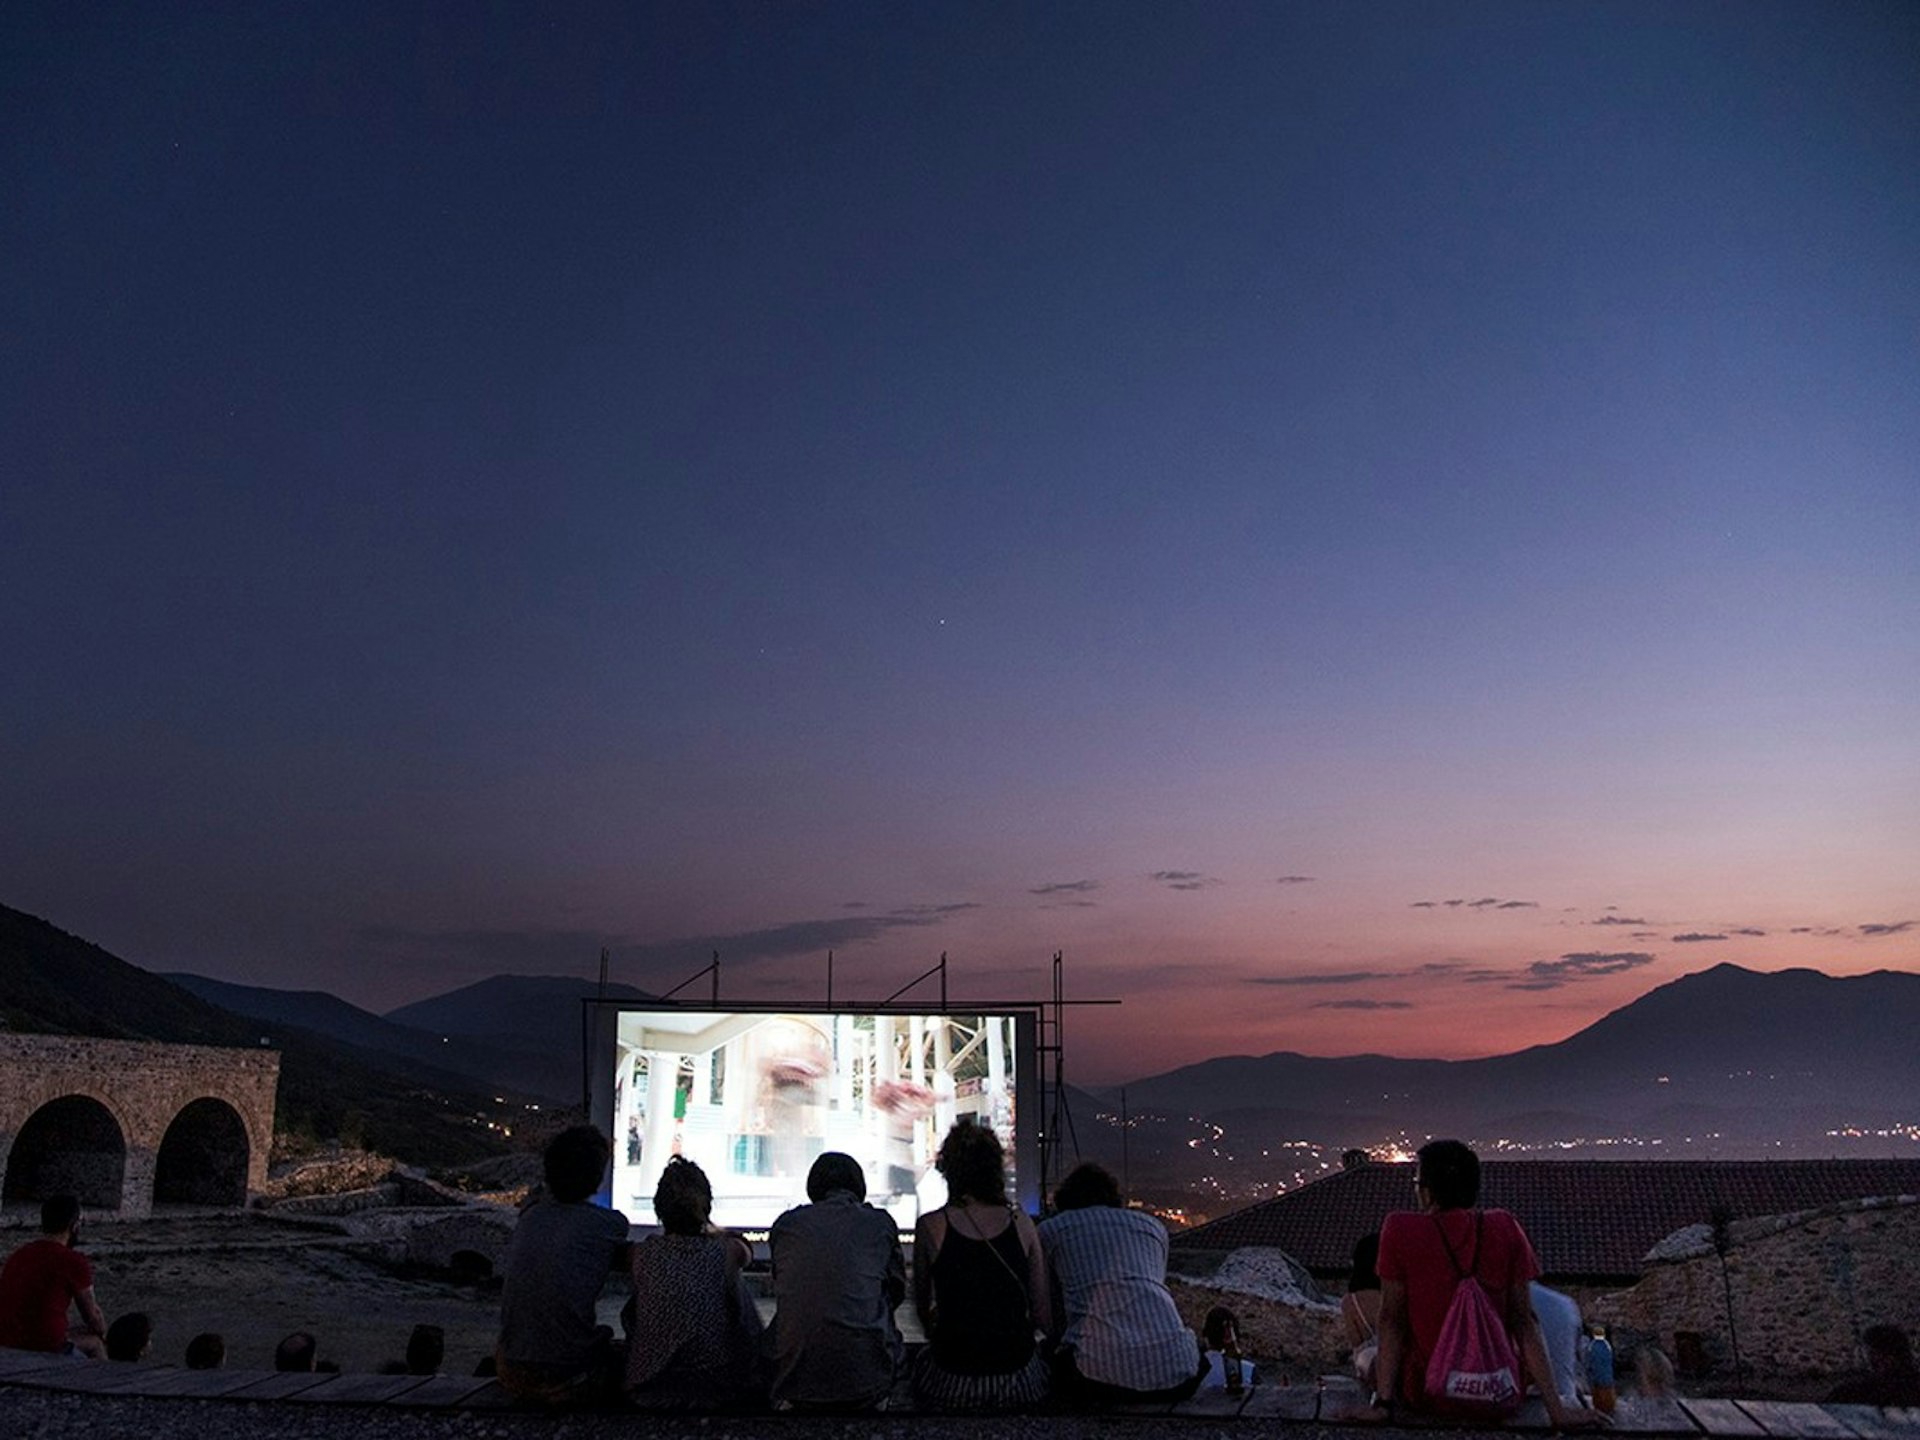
<point x="52" y="982"/>
<point x="1736" y="1061"/>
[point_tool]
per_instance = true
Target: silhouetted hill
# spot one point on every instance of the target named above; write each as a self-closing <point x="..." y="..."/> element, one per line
<point x="527" y="1012"/>
<point x="1721" y="1050"/>
<point x="55" y="983"/>
<point x="508" y="1063"/>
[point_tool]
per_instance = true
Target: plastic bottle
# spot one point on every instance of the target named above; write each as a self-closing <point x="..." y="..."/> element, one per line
<point x="1600" y="1372"/>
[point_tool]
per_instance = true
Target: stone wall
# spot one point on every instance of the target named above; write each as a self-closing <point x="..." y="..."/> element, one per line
<point x="1803" y="1288"/>
<point x="137" y="1090"/>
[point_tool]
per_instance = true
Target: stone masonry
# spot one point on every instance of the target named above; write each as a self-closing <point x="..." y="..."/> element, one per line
<point x="114" y="1102"/>
<point x="1803" y="1287"/>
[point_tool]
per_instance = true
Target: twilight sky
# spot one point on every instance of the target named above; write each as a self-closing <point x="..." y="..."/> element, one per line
<point x="1386" y="527"/>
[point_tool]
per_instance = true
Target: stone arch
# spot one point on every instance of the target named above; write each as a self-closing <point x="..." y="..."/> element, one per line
<point x="143" y="1087"/>
<point x="70" y="1145"/>
<point x="203" y="1157"/>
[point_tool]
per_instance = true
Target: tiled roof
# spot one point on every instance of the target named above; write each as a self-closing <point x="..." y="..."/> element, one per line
<point x="1585" y="1217"/>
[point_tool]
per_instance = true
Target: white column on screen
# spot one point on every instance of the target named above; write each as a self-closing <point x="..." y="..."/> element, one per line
<point x="845" y="1056"/>
<point x="663" y="1068"/>
<point x="996" y="1057"/>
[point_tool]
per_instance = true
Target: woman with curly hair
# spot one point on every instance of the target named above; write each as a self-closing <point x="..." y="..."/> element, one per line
<point x="979" y="1285"/>
<point x="693" y="1334"/>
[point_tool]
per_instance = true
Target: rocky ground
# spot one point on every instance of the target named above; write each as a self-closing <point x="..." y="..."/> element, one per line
<point x="253" y="1280"/>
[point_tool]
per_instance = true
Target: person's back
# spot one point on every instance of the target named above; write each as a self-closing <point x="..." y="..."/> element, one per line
<point x="1121" y="1335"/>
<point x="41" y="1279"/>
<point x="1558" y="1316"/>
<point x="130" y="1336"/>
<point x="562" y="1250"/>
<point x="693" y="1336"/>
<point x="1423" y="1259"/>
<point x="1429" y="1253"/>
<point x="1891" y="1378"/>
<point x="979" y="1285"/>
<point x="838" y="1273"/>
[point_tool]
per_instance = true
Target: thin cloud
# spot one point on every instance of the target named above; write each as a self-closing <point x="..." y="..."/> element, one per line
<point x="1350" y="977"/>
<point x="1294" y="880"/>
<point x="1898" y="928"/>
<point x="1066" y="887"/>
<point x="538" y="952"/>
<point x="1749" y="930"/>
<point x="1694" y="937"/>
<point x="1361" y="1005"/>
<point x="1581" y="965"/>
<point x="1519" y="905"/>
<point x="1484" y="903"/>
<point x="1181" y="879"/>
<point x="1453" y="904"/>
<point x="1619" y="920"/>
<point x="1424" y="905"/>
<point x="854" y="905"/>
<point x="926" y="913"/>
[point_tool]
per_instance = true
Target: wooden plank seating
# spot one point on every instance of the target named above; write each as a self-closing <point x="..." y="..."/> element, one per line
<point x="1869" y="1422"/>
<point x="1722" y="1417"/>
<point x="443" y="1392"/>
<point x="1639" y="1415"/>
<point x="31" y="1362"/>
<point x="280" y="1384"/>
<point x="358" y="1389"/>
<point x="201" y="1384"/>
<point x="1335" y="1400"/>
<point x="1214" y="1404"/>
<point x="1807" y="1421"/>
<point x="1282" y="1402"/>
<point x="99" y="1377"/>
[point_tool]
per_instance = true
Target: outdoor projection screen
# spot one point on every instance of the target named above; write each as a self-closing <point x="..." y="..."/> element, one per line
<point x="753" y="1096"/>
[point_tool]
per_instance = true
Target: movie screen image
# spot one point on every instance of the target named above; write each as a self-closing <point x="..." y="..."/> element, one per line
<point x="754" y="1098"/>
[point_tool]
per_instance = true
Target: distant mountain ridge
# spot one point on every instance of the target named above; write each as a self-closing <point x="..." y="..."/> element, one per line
<point x="52" y="982"/>
<point x="521" y="1033"/>
<point x="1724" y="1037"/>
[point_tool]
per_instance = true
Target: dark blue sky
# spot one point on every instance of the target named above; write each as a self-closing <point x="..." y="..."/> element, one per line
<point x="478" y="485"/>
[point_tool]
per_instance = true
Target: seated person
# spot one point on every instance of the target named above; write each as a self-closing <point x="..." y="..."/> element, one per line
<point x="296" y="1352"/>
<point x="1422" y="1258"/>
<point x="1118" y="1335"/>
<point x="838" y="1275"/>
<point x="426" y="1349"/>
<point x="1891" y="1378"/>
<point x="1219" y="1333"/>
<point x="562" y="1250"/>
<point x="693" y="1334"/>
<point x="1558" y="1316"/>
<point x="979" y="1286"/>
<point x="41" y="1279"/>
<point x="206" y="1351"/>
<point x="1652" y="1373"/>
<point x="1360" y="1306"/>
<point x="130" y="1336"/>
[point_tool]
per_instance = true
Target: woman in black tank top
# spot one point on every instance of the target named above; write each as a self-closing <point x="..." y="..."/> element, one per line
<point x="979" y="1286"/>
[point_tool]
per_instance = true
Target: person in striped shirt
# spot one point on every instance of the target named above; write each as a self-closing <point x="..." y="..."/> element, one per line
<point x="1118" y="1335"/>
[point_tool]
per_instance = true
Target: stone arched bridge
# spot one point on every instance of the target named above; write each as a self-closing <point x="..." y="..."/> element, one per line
<point x="125" y="1125"/>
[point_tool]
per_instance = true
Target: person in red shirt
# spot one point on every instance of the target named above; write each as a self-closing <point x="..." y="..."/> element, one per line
<point x="41" y="1279"/>
<point x="1418" y="1273"/>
